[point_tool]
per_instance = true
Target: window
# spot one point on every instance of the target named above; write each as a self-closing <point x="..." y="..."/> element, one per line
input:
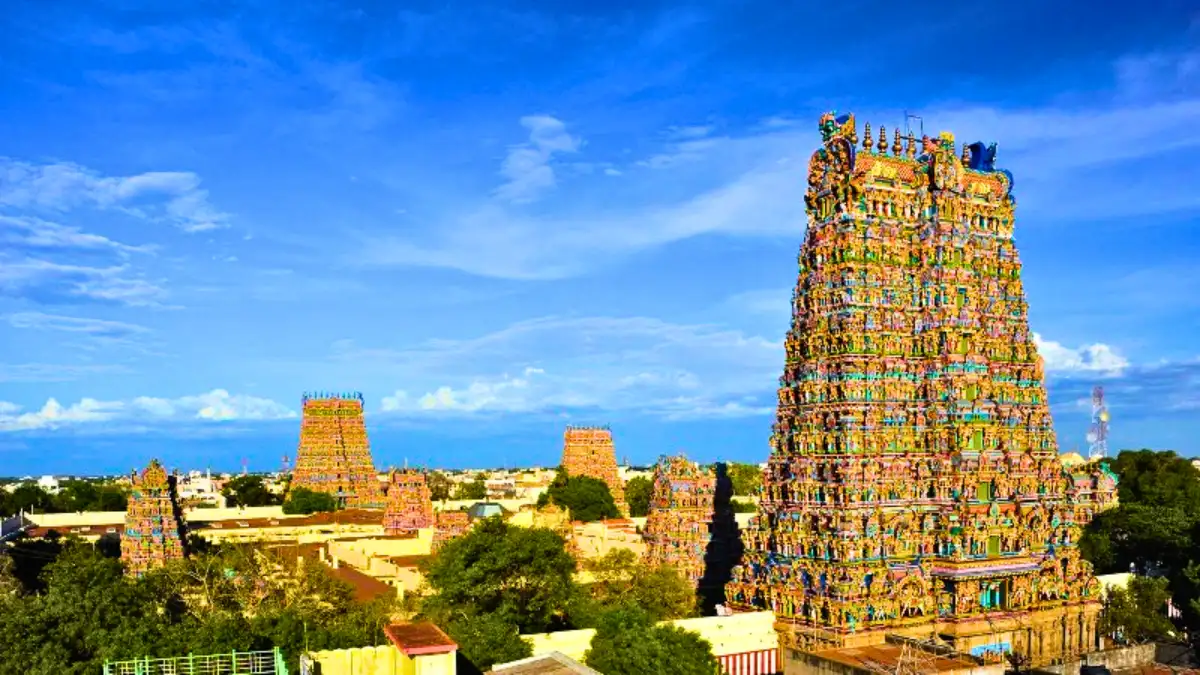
<point x="993" y="548"/>
<point x="984" y="493"/>
<point x="976" y="442"/>
<point x="972" y="392"/>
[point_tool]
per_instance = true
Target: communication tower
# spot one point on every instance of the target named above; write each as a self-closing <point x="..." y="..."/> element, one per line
<point x="1098" y="432"/>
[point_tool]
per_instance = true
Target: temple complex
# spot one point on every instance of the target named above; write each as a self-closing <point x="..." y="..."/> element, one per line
<point x="681" y="510"/>
<point x="154" y="531"/>
<point x="914" y="486"/>
<point x="409" y="503"/>
<point x="334" y="456"/>
<point x="588" y="451"/>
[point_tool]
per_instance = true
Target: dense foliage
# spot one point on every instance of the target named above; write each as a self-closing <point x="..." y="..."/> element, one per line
<point x="72" y="496"/>
<point x="499" y="581"/>
<point x="747" y="478"/>
<point x="628" y="643"/>
<point x="85" y="610"/>
<point x="1135" y="614"/>
<point x="439" y="485"/>
<point x="638" y="491"/>
<point x="1155" y="531"/>
<point x="473" y="491"/>
<point x="248" y="491"/>
<point x="304" y="501"/>
<point x="586" y="498"/>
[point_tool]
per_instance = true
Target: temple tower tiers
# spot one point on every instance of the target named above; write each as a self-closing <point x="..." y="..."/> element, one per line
<point x="913" y="483"/>
<point x="154" y="531"/>
<point x="448" y="525"/>
<point x="409" y="503"/>
<point x="681" y="512"/>
<point x="588" y="451"/>
<point x="334" y="455"/>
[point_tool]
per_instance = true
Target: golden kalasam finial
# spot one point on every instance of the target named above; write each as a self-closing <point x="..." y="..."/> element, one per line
<point x="882" y="141"/>
<point x="911" y="150"/>
<point x="897" y="148"/>
<point x="868" y="142"/>
<point x="966" y="154"/>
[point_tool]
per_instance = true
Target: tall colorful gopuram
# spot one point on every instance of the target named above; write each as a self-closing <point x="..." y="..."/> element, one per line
<point x="154" y="530"/>
<point x="409" y="503"/>
<point x="588" y="451"/>
<point x="334" y="456"/>
<point x="914" y="485"/>
<point x="681" y="512"/>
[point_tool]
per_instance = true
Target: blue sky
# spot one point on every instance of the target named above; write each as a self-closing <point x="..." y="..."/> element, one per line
<point x="496" y="219"/>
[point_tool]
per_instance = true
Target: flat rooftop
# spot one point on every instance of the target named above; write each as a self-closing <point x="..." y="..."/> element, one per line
<point x="419" y="638"/>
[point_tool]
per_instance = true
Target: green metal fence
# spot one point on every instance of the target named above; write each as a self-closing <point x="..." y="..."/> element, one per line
<point x="231" y="663"/>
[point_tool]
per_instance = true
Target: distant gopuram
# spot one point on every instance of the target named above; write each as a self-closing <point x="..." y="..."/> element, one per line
<point x="914" y="486"/>
<point x="681" y="511"/>
<point x="588" y="451"/>
<point x="409" y="503"/>
<point x="334" y="456"/>
<point x="154" y="531"/>
<point x="449" y="525"/>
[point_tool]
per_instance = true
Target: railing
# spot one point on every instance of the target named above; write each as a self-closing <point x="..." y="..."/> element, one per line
<point x="232" y="663"/>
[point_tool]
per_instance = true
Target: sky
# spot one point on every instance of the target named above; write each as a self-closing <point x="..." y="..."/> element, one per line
<point x="497" y="219"/>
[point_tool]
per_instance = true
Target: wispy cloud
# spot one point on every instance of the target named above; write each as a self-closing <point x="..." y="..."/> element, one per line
<point x="217" y="405"/>
<point x="170" y="196"/>
<point x="55" y="372"/>
<point x="36" y="233"/>
<point x="52" y="283"/>
<point x="74" y="324"/>
<point x="528" y="166"/>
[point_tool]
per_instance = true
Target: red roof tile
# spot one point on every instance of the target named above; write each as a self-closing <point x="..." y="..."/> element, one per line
<point x="419" y="638"/>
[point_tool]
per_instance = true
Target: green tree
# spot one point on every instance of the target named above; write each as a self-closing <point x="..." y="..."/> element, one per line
<point x="747" y="478"/>
<point x="586" y="498"/>
<point x="1138" y="613"/>
<point x="521" y="575"/>
<point x="80" y="495"/>
<point x="249" y="491"/>
<point x="304" y="501"/>
<point x="487" y="640"/>
<point x="475" y="490"/>
<point x="439" y="485"/>
<point x="637" y="494"/>
<point x="622" y="579"/>
<point x="1149" y="478"/>
<point x="628" y="643"/>
<point x="30" y="498"/>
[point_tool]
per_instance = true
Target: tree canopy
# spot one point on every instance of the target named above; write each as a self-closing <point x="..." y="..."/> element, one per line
<point x="305" y="501"/>
<point x="475" y="490"/>
<point x="249" y="491"/>
<point x="439" y="485"/>
<point x="747" y="478"/>
<point x="638" y="491"/>
<point x="1138" y="613"/>
<point x="72" y="496"/>
<point x="621" y="579"/>
<point x="586" y="498"/>
<point x="628" y="643"/>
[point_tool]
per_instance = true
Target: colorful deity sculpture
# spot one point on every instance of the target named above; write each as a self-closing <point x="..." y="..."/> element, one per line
<point x="448" y="525"/>
<point x="678" y="525"/>
<point x="588" y="451"/>
<point x="914" y="481"/>
<point x="154" y="530"/>
<point x="409" y="503"/>
<point x="334" y="456"/>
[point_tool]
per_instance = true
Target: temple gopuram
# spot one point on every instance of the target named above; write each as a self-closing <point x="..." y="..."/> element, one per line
<point x="681" y="510"/>
<point x="334" y="456"/>
<point x="914" y="486"/>
<point x="588" y="451"/>
<point x="409" y="503"/>
<point x="154" y="531"/>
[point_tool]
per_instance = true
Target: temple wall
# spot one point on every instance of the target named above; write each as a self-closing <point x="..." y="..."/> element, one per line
<point x="382" y="660"/>
<point x="1125" y="658"/>
<point x="735" y="634"/>
<point x="513" y="505"/>
<point x="98" y="518"/>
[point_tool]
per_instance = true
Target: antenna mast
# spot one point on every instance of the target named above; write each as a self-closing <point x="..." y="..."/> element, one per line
<point x="1097" y="436"/>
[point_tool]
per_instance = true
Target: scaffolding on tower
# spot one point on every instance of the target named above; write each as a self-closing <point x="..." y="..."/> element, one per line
<point x="1098" y="432"/>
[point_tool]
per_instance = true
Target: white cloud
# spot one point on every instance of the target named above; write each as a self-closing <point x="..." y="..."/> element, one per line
<point x="38" y="233"/>
<point x="217" y="405"/>
<point x="602" y="363"/>
<point x="73" y="324"/>
<point x="1097" y="358"/>
<point x="172" y="196"/>
<point x="111" y="283"/>
<point x="751" y="184"/>
<point x="528" y="165"/>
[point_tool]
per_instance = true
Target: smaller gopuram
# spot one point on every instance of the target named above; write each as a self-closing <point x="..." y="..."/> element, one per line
<point x="334" y="456"/>
<point x="588" y="451"/>
<point x="409" y="503"/>
<point x="154" y="530"/>
<point x="681" y="510"/>
<point x="448" y="525"/>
